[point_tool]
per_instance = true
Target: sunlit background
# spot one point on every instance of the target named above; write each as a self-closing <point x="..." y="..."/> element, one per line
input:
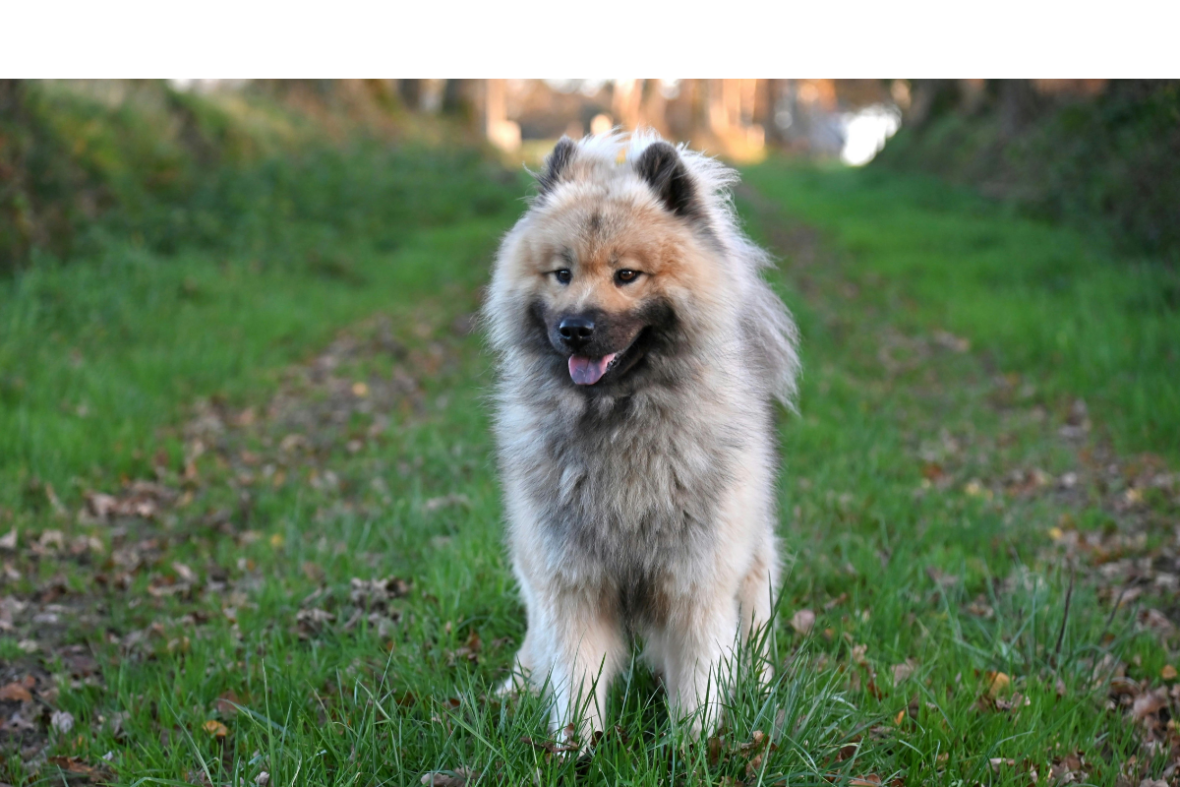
<point x="152" y="157"/>
<point x="738" y="118"/>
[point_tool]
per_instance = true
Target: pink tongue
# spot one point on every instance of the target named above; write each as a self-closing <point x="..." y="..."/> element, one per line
<point x="587" y="371"/>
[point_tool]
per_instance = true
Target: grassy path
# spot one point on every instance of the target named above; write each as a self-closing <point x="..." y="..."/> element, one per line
<point x="307" y="581"/>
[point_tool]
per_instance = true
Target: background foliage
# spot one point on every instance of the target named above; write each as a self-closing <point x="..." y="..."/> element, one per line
<point x="1110" y="158"/>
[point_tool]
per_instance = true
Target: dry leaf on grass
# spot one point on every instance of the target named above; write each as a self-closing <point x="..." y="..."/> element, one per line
<point x="469" y="651"/>
<point x="309" y="622"/>
<point x="375" y="592"/>
<point x="803" y="621"/>
<point x="456" y="778"/>
<point x="902" y="672"/>
<point x="997" y="682"/>
<point x="1157" y="621"/>
<point x="447" y="501"/>
<point x="76" y="767"/>
<point x="215" y="728"/>
<point x="552" y="746"/>
<point x="1149" y="704"/>
<point x="15" y="692"/>
<point x="835" y="602"/>
<point x="756" y="750"/>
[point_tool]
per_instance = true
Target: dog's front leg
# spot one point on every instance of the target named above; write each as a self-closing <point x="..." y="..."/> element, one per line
<point x="698" y="650"/>
<point x="581" y="641"/>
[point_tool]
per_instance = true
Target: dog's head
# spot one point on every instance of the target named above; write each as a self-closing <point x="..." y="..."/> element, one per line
<point x="612" y="268"/>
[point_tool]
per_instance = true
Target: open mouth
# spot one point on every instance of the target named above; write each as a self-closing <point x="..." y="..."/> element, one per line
<point x="587" y="371"/>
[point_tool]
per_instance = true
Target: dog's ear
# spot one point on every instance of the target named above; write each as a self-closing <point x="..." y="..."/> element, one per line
<point x="555" y="164"/>
<point x="663" y="169"/>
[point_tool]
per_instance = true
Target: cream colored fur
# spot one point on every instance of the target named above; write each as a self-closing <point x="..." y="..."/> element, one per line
<point x="643" y="507"/>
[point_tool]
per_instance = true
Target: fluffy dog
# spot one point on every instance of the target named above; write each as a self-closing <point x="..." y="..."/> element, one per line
<point x="639" y="355"/>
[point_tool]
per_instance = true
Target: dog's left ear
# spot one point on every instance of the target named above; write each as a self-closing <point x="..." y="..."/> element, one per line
<point x="555" y="163"/>
<point x="663" y="169"/>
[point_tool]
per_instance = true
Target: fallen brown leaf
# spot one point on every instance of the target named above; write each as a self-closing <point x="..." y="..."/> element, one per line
<point x="75" y="766"/>
<point x="551" y="746"/>
<point x="1149" y="704"/>
<point x="312" y="621"/>
<point x="803" y="621"/>
<point x="932" y="471"/>
<point x="15" y="692"/>
<point x="756" y="750"/>
<point x="215" y="728"/>
<point x="902" y="672"/>
<point x="435" y="503"/>
<point x="997" y="682"/>
<point x="1154" y="619"/>
<point x="456" y="778"/>
<point x="376" y="593"/>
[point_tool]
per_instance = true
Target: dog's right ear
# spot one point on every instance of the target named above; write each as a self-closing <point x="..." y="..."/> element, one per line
<point x="555" y="164"/>
<point x="662" y="168"/>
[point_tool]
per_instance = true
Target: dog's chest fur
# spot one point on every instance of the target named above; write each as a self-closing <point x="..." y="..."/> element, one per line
<point x="626" y="488"/>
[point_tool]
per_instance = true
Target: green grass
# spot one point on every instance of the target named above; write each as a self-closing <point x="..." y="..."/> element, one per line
<point x="1050" y="303"/>
<point x="909" y="533"/>
<point x="95" y="355"/>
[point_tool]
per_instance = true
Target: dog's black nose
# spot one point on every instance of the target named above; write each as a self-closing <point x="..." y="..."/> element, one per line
<point x="576" y="330"/>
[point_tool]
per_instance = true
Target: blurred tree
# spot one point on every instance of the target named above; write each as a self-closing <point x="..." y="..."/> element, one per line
<point x="932" y="98"/>
<point x="410" y="91"/>
<point x="11" y="92"/>
<point x="765" y="102"/>
<point x="15" y="221"/>
<point x="460" y="98"/>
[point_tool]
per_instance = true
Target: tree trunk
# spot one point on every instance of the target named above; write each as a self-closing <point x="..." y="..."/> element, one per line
<point x="459" y="98"/>
<point x="12" y="94"/>
<point x="411" y="93"/>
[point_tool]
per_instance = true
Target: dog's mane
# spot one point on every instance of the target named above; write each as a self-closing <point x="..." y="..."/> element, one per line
<point x="771" y="333"/>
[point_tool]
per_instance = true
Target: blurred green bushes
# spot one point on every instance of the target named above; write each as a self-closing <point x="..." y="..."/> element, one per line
<point x="269" y="170"/>
<point x="1109" y="161"/>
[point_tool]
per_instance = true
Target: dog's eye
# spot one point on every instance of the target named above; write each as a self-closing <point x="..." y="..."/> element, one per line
<point x="563" y="276"/>
<point x="626" y="276"/>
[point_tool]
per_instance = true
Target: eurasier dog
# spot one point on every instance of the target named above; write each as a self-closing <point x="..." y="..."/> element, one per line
<point x="639" y="353"/>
